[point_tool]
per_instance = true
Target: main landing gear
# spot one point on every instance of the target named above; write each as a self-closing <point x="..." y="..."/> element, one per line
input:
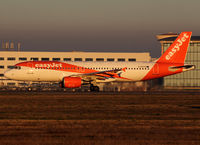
<point x="94" y="88"/>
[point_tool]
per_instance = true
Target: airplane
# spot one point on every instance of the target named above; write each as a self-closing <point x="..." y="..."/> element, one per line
<point x="76" y="74"/>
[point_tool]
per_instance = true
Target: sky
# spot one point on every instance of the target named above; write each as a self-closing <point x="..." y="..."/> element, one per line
<point x="96" y="25"/>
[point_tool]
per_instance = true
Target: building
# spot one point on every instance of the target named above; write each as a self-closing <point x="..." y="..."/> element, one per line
<point x="9" y="58"/>
<point x="185" y="80"/>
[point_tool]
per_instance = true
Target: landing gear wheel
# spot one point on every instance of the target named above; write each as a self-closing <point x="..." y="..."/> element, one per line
<point x="29" y="89"/>
<point x="94" y="88"/>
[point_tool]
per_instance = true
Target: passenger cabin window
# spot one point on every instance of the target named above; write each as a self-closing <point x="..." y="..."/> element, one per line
<point x="121" y="59"/>
<point x="110" y="59"/>
<point x="89" y="59"/>
<point x="34" y="58"/>
<point x="1" y="67"/>
<point x="45" y="59"/>
<point x="1" y="58"/>
<point x="22" y="58"/>
<point x="11" y="58"/>
<point x="78" y="59"/>
<point x="131" y="59"/>
<point x="56" y="59"/>
<point x="67" y="59"/>
<point x="99" y="59"/>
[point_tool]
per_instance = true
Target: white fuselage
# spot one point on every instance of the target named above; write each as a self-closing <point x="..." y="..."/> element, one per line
<point x="135" y="71"/>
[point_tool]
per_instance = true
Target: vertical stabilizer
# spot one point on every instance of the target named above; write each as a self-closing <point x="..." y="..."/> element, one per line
<point x="176" y="53"/>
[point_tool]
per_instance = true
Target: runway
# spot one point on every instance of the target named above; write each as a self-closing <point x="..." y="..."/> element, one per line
<point x="95" y="119"/>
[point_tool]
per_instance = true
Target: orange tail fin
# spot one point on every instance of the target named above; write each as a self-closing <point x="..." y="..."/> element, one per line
<point x="176" y="53"/>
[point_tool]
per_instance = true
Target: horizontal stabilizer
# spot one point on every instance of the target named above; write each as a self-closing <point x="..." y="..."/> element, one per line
<point x="184" y="67"/>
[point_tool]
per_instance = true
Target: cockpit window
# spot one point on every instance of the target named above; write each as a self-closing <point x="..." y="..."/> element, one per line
<point x="17" y="67"/>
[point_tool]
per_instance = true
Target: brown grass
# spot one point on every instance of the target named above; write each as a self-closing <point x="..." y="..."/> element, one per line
<point x="99" y="119"/>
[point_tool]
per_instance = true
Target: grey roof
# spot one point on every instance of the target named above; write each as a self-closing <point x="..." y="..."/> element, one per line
<point x="193" y="38"/>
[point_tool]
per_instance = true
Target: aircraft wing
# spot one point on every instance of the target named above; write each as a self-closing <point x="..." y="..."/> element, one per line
<point x="100" y="75"/>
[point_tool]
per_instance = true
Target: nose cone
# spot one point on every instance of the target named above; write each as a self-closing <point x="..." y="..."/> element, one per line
<point x="8" y="74"/>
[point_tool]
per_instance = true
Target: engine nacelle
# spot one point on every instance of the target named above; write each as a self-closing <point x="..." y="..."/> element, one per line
<point x="71" y="82"/>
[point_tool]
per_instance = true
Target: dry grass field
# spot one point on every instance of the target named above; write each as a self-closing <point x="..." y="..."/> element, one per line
<point x="96" y="119"/>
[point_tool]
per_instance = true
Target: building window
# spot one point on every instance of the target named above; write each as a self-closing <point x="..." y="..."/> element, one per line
<point x="67" y="59"/>
<point x="56" y="59"/>
<point x="99" y="59"/>
<point x="22" y="58"/>
<point x="78" y="59"/>
<point x="1" y="58"/>
<point x="45" y="59"/>
<point x="34" y="58"/>
<point x="1" y="75"/>
<point x="121" y="59"/>
<point x="10" y="84"/>
<point x="10" y="67"/>
<point x="11" y="58"/>
<point x="110" y="59"/>
<point x="131" y="59"/>
<point x="1" y="67"/>
<point x="191" y="44"/>
<point x="89" y="59"/>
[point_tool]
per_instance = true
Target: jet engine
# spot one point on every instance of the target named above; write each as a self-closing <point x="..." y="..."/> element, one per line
<point x="71" y="82"/>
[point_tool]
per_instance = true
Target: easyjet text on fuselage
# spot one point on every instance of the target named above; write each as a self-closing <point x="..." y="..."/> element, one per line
<point x="49" y="65"/>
